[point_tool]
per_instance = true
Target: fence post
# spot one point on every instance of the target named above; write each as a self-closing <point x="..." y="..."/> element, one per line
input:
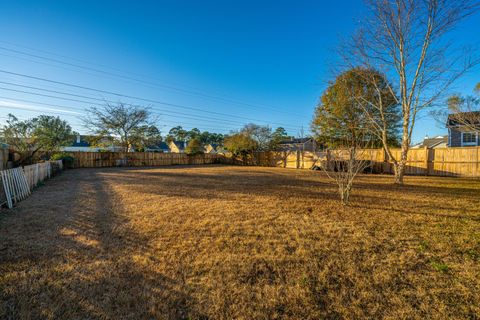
<point x="427" y="154"/>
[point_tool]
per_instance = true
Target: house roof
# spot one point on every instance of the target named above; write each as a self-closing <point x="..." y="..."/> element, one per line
<point x="297" y="144"/>
<point x="471" y="118"/>
<point x="296" y="141"/>
<point x="214" y="145"/>
<point x="432" y="142"/>
<point x="159" y="146"/>
<point x="180" y="144"/>
<point x="82" y="143"/>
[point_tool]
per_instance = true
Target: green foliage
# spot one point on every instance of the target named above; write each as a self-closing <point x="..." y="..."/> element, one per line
<point x="193" y="134"/>
<point x="440" y="266"/>
<point x="194" y="147"/>
<point x="240" y="143"/>
<point x="423" y="246"/>
<point x="210" y="137"/>
<point x="279" y="135"/>
<point x="346" y="112"/>
<point x="145" y="136"/>
<point x="62" y="156"/>
<point x="45" y="133"/>
<point x="177" y="134"/>
<point x="65" y="157"/>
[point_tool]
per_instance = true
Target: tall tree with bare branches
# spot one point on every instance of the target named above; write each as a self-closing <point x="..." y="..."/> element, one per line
<point x="407" y="40"/>
<point x="130" y="125"/>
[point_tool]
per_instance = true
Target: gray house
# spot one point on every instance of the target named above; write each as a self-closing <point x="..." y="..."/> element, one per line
<point x="462" y="133"/>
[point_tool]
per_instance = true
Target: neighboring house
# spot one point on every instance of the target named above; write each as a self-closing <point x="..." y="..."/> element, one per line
<point x="460" y="135"/>
<point x="160" y="147"/>
<point x="177" y="146"/>
<point x="299" y="144"/>
<point x="432" y="143"/>
<point x="214" y="148"/>
<point x="81" y="144"/>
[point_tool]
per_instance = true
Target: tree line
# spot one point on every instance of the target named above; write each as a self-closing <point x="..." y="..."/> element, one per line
<point x="132" y="128"/>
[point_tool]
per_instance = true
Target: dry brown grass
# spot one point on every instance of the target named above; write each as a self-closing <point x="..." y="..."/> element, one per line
<point x="219" y="242"/>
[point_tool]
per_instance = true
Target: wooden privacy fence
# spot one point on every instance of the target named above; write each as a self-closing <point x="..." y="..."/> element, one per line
<point x="18" y="183"/>
<point x="139" y="159"/>
<point x="461" y="162"/>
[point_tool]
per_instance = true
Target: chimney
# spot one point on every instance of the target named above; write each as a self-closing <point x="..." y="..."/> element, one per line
<point x="78" y="138"/>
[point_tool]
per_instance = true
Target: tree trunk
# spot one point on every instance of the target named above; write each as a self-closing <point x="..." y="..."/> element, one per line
<point x="401" y="164"/>
<point x="399" y="170"/>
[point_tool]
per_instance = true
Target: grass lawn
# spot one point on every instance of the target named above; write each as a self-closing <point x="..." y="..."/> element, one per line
<point x="220" y="242"/>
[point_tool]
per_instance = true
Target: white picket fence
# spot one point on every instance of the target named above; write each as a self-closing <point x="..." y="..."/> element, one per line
<point x="18" y="183"/>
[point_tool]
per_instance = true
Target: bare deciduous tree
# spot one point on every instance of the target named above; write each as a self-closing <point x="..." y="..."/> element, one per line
<point x="131" y="125"/>
<point x="406" y="41"/>
<point x="343" y="165"/>
<point x="349" y="158"/>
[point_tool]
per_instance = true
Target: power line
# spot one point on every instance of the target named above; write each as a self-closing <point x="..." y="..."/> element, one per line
<point x="109" y="101"/>
<point x="113" y="93"/>
<point x="182" y="123"/>
<point x="182" y="115"/>
<point x="155" y="84"/>
<point x="67" y="108"/>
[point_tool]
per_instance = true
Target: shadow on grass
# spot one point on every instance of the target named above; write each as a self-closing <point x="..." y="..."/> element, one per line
<point x="79" y="259"/>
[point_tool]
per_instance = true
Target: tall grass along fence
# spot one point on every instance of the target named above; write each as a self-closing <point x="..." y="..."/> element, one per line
<point x="460" y="162"/>
<point x="139" y="159"/>
<point x="18" y="183"/>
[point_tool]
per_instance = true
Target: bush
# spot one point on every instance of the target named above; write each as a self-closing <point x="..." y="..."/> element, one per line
<point x="194" y="147"/>
<point x="65" y="157"/>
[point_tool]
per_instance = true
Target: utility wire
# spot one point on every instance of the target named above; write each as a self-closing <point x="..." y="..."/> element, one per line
<point x="155" y="84"/>
<point x="82" y="110"/>
<point x="182" y="123"/>
<point x="110" y="101"/>
<point x="111" y="93"/>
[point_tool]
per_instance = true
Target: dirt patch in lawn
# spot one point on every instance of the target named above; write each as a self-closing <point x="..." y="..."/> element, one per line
<point x="220" y="242"/>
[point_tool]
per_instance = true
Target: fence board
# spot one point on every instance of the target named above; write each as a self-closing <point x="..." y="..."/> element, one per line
<point x="18" y="183"/>
<point x="462" y="162"/>
<point x="437" y="162"/>
<point x="139" y="159"/>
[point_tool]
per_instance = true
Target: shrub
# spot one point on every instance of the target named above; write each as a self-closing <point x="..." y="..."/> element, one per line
<point x="194" y="147"/>
<point x="65" y="157"/>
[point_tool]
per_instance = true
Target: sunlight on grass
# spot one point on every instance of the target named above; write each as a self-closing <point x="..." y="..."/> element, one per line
<point x="223" y="242"/>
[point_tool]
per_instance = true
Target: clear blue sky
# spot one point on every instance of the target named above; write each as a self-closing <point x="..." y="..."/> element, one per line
<point x="268" y="61"/>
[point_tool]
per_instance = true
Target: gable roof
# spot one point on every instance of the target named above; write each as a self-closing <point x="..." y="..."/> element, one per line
<point x="296" y="141"/>
<point x="159" y="146"/>
<point x="461" y="118"/>
<point x="179" y="144"/>
<point x="432" y="142"/>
